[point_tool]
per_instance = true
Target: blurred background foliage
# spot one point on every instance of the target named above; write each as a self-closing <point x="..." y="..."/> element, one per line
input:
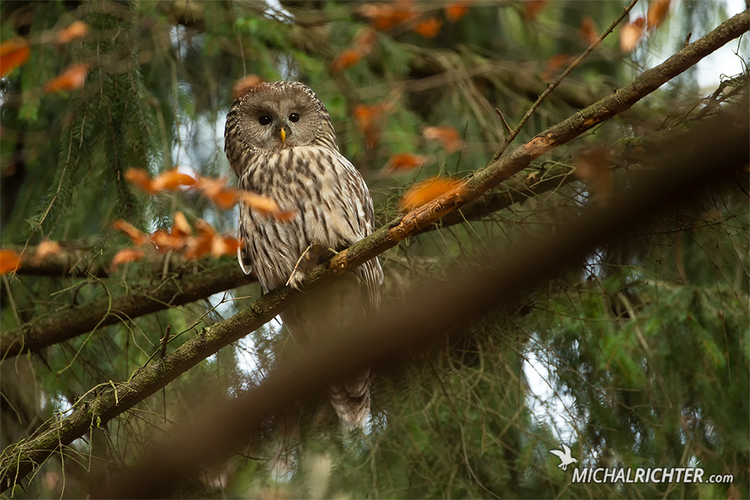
<point x="636" y="358"/>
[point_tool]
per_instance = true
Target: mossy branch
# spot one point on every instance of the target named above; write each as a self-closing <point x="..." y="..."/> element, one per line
<point x="20" y="458"/>
<point x="138" y="301"/>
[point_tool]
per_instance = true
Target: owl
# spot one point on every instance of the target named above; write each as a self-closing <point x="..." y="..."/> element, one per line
<point x="281" y="144"/>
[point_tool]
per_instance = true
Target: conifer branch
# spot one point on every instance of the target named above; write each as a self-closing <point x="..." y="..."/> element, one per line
<point x="19" y="459"/>
<point x="138" y="301"/>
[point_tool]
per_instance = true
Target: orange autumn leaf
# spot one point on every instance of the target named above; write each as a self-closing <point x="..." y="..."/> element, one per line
<point x="180" y="227"/>
<point x="631" y="33"/>
<point x="368" y="120"/>
<point x="244" y="84"/>
<point x="225" y="199"/>
<point x="448" y="137"/>
<point x="172" y="179"/>
<point x="346" y="59"/>
<point x="224" y="246"/>
<point x="126" y="255"/>
<point x="532" y="8"/>
<point x="427" y="191"/>
<point x="78" y="29"/>
<point x="365" y="115"/>
<point x="9" y="261"/>
<point x="588" y="31"/>
<point x="454" y="11"/>
<point x="365" y="40"/>
<point x="135" y="235"/>
<point x="218" y="192"/>
<point x="380" y="14"/>
<point x="384" y="16"/>
<point x="201" y="244"/>
<point x="265" y="206"/>
<point x="404" y="162"/>
<point x="140" y="178"/>
<point x="72" y="78"/>
<point x="13" y="53"/>
<point x="164" y="241"/>
<point x="45" y="249"/>
<point x="553" y="64"/>
<point x="657" y="13"/>
<point x="429" y="28"/>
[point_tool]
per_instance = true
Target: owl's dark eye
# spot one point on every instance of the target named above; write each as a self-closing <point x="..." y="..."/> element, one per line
<point x="264" y="120"/>
<point x="294" y="117"/>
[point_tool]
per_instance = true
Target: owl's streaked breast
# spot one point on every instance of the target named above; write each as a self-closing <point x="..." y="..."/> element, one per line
<point x="318" y="183"/>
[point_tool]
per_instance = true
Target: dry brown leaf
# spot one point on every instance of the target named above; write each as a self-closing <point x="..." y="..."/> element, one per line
<point x="9" y="261"/>
<point x="365" y="40"/>
<point x="449" y="137"/>
<point x="218" y="192"/>
<point x="164" y="241"/>
<point x="631" y="33"/>
<point x="265" y="206"/>
<point x="224" y="246"/>
<point x="226" y="198"/>
<point x="427" y="191"/>
<point x="384" y="16"/>
<point x="140" y="178"/>
<point x="126" y="255"/>
<point x="369" y="120"/>
<point x="78" y="29"/>
<point x="200" y="245"/>
<point x="588" y="31"/>
<point x="244" y="84"/>
<point x="429" y="28"/>
<point x="657" y="13"/>
<point x="454" y="11"/>
<point x="135" y="235"/>
<point x="531" y="179"/>
<point x="532" y="8"/>
<point x="404" y="162"/>
<point x="553" y="64"/>
<point x="345" y="59"/>
<point x="171" y="179"/>
<point x="180" y="226"/>
<point x="45" y="249"/>
<point x="72" y="78"/>
<point x="13" y="53"/>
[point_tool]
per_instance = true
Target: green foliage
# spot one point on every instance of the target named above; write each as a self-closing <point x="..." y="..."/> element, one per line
<point x="643" y="349"/>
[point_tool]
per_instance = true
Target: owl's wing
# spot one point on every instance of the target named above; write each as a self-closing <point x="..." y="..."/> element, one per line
<point x="361" y="210"/>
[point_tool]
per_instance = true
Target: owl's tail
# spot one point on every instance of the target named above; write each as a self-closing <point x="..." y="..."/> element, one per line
<point x="351" y="399"/>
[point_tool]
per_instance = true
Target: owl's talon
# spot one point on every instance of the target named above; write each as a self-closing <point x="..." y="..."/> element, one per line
<point x="295" y="280"/>
<point x="313" y="255"/>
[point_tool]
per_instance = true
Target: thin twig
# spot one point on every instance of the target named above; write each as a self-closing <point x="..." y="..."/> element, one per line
<point x="552" y="86"/>
<point x="505" y="123"/>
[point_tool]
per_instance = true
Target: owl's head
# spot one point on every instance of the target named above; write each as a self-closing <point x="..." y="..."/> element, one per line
<point x="272" y="116"/>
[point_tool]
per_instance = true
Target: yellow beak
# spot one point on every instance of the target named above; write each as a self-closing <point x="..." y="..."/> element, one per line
<point x="282" y="133"/>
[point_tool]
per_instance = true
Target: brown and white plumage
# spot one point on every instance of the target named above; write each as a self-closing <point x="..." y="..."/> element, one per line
<point x="280" y="142"/>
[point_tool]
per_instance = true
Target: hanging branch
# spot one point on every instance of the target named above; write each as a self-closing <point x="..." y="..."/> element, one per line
<point x="19" y="459"/>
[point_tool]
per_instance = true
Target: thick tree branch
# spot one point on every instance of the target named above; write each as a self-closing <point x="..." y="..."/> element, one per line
<point x="19" y="459"/>
<point x="717" y="152"/>
<point x="67" y="262"/>
<point x="138" y="301"/>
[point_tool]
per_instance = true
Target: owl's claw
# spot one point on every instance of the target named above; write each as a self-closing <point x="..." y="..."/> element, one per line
<point x="311" y="257"/>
